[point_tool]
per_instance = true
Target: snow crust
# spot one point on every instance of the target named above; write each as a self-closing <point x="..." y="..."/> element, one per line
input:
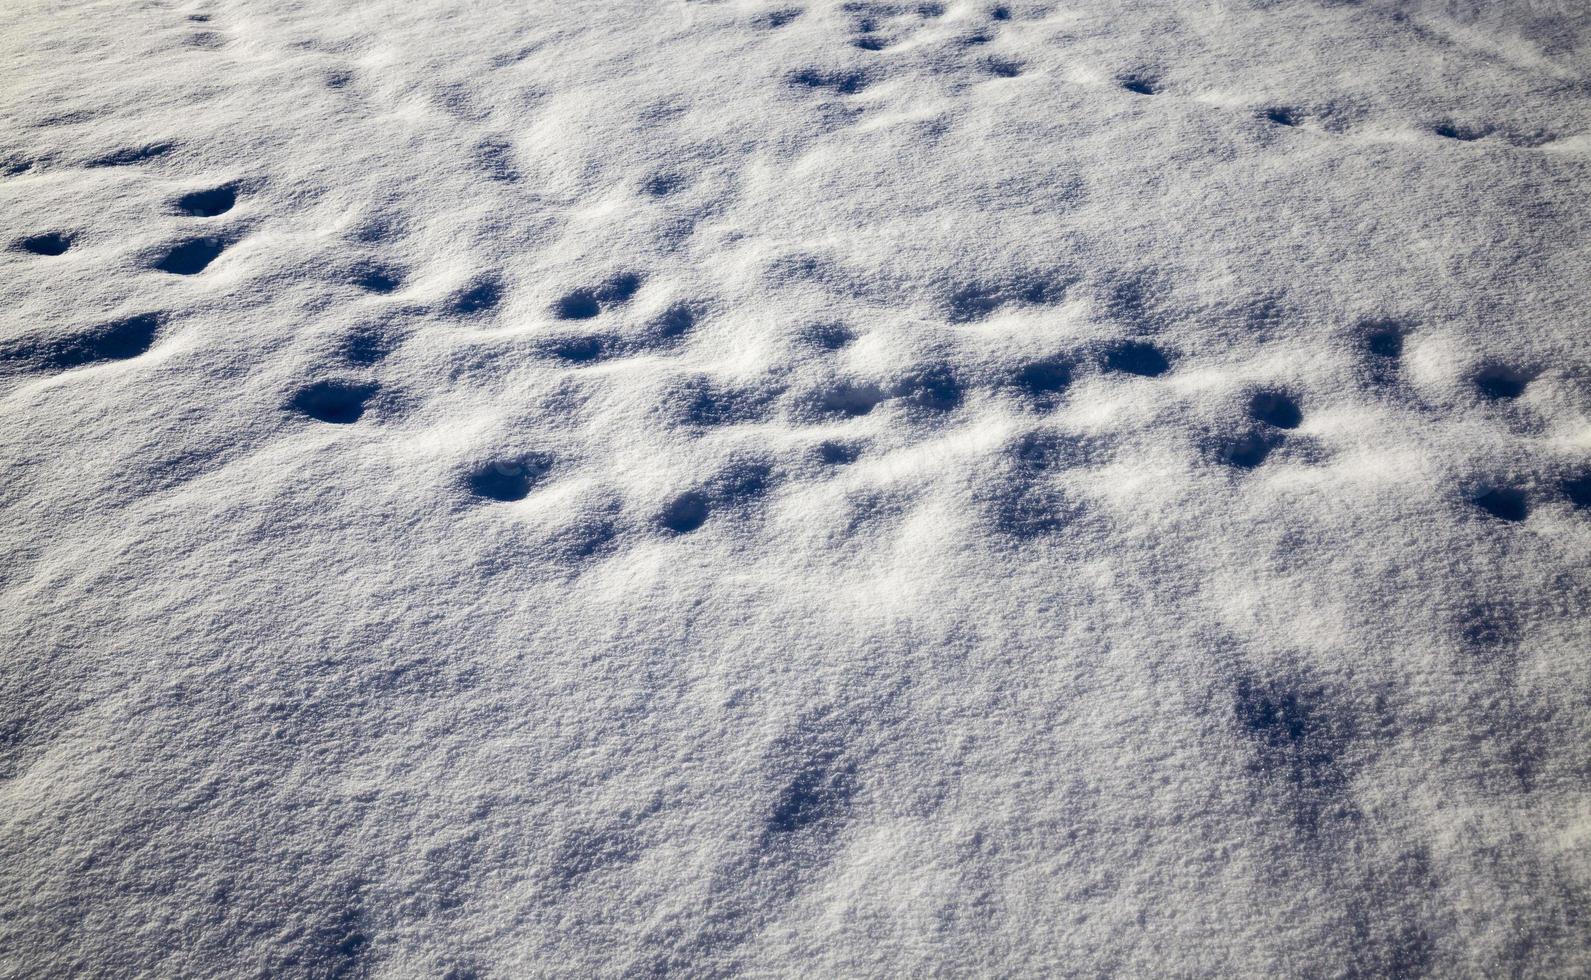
<point x="501" y="489"/>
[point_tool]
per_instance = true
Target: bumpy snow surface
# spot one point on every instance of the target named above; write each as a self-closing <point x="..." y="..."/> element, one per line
<point x="503" y="488"/>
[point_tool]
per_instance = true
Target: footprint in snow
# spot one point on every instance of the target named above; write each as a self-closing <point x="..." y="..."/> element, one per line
<point x="191" y="257"/>
<point x="48" y="244"/>
<point x="334" y="402"/>
<point x="208" y="203"/>
<point x="510" y="479"/>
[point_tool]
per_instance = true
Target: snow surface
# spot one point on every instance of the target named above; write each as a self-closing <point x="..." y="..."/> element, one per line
<point x="498" y="488"/>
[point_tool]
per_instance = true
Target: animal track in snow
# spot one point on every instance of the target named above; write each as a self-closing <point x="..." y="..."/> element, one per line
<point x="335" y="402"/>
<point x="1022" y="501"/>
<point x="686" y="513"/>
<point x="705" y="404"/>
<point x="48" y="244"/>
<point x="838" y="453"/>
<point x="661" y="333"/>
<point x="586" y="304"/>
<point x="117" y="340"/>
<point x="367" y="346"/>
<point x="933" y="389"/>
<point x="775" y="19"/>
<point x="1385" y="341"/>
<point x="496" y="158"/>
<point x="1250" y="449"/>
<point x="1136" y="357"/>
<point x="1275" y="408"/>
<point x="1463" y="134"/>
<point x="1500" y="383"/>
<point x="508" y="480"/>
<point x="662" y="184"/>
<point x="1382" y="346"/>
<point x="851" y="399"/>
<point x="977" y="301"/>
<point x="1504" y="503"/>
<point x="191" y="257"/>
<point x="1578" y="489"/>
<point x="132" y="155"/>
<point x="839" y="82"/>
<point x="1044" y="381"/>
<point x="481" y="297"/>
<point x="1002" y="67"/>
<point x="208" y="203"/>
<point x="828" y="336"/>
<point x="582" y="350"/>
<point x="673" y="323"/>
<point x="740" y="483"/>
<point x="378" y="279"/>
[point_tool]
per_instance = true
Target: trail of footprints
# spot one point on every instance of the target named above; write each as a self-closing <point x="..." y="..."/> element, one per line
<point x="126" y="338"/>
<point x="1270" y="418"/>
<point x="882" y="27"/>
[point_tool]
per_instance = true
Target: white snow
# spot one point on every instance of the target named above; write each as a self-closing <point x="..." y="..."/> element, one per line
<point x="1075" y="488"/>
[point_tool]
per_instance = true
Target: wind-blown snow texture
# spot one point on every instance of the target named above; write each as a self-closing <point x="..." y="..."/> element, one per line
<point x="502" y="489"/>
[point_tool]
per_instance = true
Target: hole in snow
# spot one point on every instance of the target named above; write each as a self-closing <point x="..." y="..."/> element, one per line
<point x="1250" y="449"/>
<point x="936" y="389"/>
<point x="662" y="184"/>
<point x="208" y="204"/>
<point x="191" y="257"/>
<point x="585" y="304"/>
<point x="775" y="19"/>
<point x="1501" y="383"/>
<point x="838" y="453"/>
<point x="46" y="244"/>
<point x="375" y="279"/>
<point x="1464" y="134"/>
<point x="1385" y="341"/>
<point x="1045" y="380"/>
<point x="686" y="513"/>
<point x="1578" y="489"/>
<point x="479" y="298"/>
<point x="579" y="350"/>
<point x="117" y="340"/>
<point x="851" y="399"/>
<point x="704" y="403"/>
<point x="674" y="322"/>
<point x="367" y="346"/>
<point x="819" y="792"/>
<point x="1134" y="357"/>
<point x="1275" y="408"/>
<point x="130" y="156"/>
<point x="508" y="480"/>
<point x="336" y="402"/>
<point x="1504" y="503"/>
<point x="839" y="82"/>
<point x="828" y="336"/>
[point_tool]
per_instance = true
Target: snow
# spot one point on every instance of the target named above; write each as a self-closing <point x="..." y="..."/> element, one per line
<point x="802" y="489"/>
